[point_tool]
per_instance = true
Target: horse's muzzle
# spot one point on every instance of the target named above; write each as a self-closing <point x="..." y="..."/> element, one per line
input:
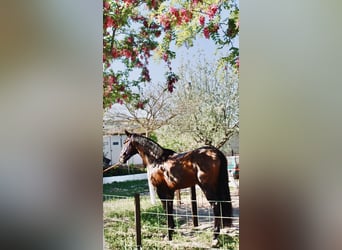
<point x="122" y="160"/>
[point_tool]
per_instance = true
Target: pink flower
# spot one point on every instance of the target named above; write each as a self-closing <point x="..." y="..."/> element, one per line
<point x="109" y="22"/>
<point x="212" y="11"/>
<point x="129" y="2"/>
<point x="107" y="91"/>
<point x="165" y="57"/>
<point x="138" y="64"/>
<point x="145" y="74"/>
<point x="186" y="15"/>
<point x="115" y="53"/>
<point x="106" y="5"/>
<point x="157" y="34"/>
<point x="165" y="21"/>
<point x="140" y="105"/>
<point x="183" y="12"/>
<point x="154" y="26"/>
<point x="130" y="40"/>
<point x="206" y="32"/>
<point x="170" y="87"/>
<point x="173" y="11"/>
<point x="153" y="4"/>
<point x="127" y="53"/>
<point x="146" y="51"/>
<point x="110" y="80"/>
<point x="202" y="20"/>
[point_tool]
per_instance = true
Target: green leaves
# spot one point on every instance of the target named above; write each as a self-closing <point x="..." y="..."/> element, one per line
<point x="207" y="104"/>
<point x="133" y="31"/>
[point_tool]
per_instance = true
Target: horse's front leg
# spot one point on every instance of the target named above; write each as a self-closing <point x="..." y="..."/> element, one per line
<point x="170" y="220"/>
<point x="167" y="201"/>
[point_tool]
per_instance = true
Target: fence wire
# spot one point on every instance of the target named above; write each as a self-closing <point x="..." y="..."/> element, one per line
<point x="119" y="224"/>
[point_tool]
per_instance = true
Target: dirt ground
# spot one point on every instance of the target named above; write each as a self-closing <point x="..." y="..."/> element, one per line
<point x="183" y="211"/>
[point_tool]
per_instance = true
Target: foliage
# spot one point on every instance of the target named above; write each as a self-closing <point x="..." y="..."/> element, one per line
<point x="207" y="102"/>
<point x="153" y="136"/>
<point x="134" y="30"/>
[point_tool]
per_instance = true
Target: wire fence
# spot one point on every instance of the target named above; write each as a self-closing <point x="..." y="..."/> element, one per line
<point x="121" y="230"/>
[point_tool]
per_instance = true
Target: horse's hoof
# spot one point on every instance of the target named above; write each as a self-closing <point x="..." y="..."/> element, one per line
<point x="215" y="243"/>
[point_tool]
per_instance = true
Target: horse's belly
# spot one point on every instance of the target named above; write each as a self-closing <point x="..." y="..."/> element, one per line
<point x="186" y="181"/>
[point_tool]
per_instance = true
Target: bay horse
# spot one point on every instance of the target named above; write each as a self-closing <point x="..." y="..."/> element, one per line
<point x="170" y="171"/>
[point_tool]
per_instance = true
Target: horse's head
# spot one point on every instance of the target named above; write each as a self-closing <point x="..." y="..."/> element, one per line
<point x="128" y="149"/>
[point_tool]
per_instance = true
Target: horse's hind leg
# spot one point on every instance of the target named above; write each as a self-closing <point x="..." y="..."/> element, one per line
<point x="217" y="223"/>
<point x="211" y="196"/>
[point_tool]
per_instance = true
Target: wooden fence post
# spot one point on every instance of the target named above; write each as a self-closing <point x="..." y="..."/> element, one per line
<point x="137" y="221"/>
<point x="194" y="206"/>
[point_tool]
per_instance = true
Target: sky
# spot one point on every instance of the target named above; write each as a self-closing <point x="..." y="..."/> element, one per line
<point x="158" y="68"/>
<point x="207" y="47"/>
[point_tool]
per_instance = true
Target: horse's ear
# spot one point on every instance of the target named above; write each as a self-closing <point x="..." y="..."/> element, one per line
<point x="127" y="133"/>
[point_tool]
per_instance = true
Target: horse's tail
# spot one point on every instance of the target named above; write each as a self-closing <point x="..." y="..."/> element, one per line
<point x="224" y="192"/>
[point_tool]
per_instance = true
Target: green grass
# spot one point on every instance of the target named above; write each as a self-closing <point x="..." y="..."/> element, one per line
<point x="119" y="229"/>
<point x="119" y="222"/>
<point x="127" y="188"/>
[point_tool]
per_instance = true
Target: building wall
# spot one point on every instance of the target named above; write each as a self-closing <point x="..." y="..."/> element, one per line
<point x="231" y="147"/>
<point x="112" y="145"/>
<point x="234" y="143"/>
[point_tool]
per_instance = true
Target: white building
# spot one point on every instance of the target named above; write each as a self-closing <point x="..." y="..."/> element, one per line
<point x="112" y="145"/>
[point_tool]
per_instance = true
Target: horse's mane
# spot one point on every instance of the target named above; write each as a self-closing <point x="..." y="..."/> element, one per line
<point x="153" y="148"/>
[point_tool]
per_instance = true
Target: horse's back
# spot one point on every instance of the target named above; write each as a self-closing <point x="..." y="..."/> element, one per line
<point x="203" y="163"/>
<point x="207" y="156"/>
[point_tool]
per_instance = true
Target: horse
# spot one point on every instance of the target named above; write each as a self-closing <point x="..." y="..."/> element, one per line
<point x="169" y="171"/>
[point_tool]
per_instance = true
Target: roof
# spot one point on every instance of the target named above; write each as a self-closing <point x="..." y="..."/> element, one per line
<point x="118" y="127"/>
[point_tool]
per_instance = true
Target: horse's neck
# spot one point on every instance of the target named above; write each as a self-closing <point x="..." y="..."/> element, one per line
<point x="148" y="150"/>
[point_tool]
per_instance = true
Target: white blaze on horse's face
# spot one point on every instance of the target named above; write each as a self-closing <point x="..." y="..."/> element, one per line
<point x="128" y="150"/>
<point x="123" y="154"/>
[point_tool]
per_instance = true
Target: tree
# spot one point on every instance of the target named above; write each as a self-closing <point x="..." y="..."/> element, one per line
<point x="155" y="112"/>
<point x="207" y="101"/>
<point x="134" y="30"/>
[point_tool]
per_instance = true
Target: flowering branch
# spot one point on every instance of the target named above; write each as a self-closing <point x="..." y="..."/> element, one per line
<point x="134" y="30"/>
